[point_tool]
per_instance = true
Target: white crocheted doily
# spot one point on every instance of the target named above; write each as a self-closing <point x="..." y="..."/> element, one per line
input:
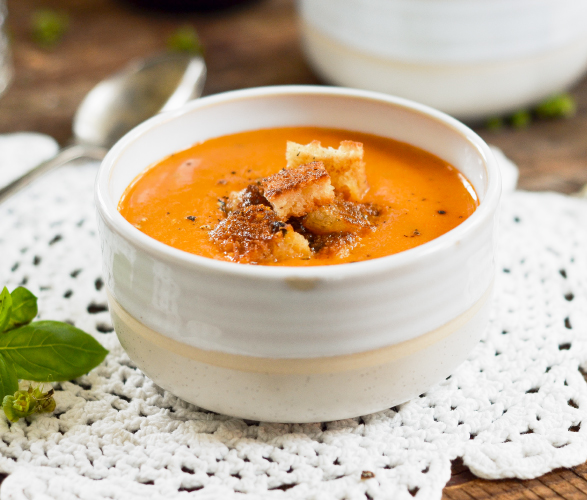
<point x="21" y="151"/>
<point x="514" y="409"/>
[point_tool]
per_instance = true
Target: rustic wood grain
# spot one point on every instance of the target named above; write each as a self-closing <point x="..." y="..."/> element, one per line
<point x="252" y="46"/>
<point x="247" y="47"/>
<point x="568" y="484"/>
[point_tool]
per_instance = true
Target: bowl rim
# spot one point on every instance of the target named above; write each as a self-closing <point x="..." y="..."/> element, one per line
<point x="107" y="208"/>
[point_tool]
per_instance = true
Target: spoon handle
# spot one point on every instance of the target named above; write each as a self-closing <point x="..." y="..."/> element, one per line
<point x="64" y="156"/>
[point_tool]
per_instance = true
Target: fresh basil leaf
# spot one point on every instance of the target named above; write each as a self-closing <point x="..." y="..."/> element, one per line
<point x="5" y="308"/>
<point x="8" y="378"/>
<point x="47" y="351"/>
<point x="24" y="308"/>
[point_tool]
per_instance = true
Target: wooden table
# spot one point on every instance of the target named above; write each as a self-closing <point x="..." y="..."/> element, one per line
<point x="256" y="45"/>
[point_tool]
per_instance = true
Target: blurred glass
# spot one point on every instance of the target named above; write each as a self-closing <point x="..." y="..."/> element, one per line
<point x="5" y="60"/>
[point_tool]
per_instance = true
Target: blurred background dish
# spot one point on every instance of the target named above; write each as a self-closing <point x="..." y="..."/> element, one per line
<point x="469" y="58"/>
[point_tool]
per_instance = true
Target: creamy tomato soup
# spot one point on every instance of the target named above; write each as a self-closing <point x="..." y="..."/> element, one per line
<point x="410" y="197"/>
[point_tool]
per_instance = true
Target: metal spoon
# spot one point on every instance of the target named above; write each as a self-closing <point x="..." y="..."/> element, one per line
<point x="119" y="103"/>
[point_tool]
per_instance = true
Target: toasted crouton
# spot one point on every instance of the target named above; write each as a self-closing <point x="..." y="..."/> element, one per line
<point x="251" y="195"/>
<point x="291" y="246"/>
<point x="345" y="165"/>
<point x="338" y="217"/>
<point x="297" y="191"/>
<point x="246" y="234"/>
<point x="255" y="234"/>
<point x="334" y="245"/>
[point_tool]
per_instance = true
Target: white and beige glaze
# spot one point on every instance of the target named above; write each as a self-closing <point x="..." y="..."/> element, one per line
<point x="294" y="344"/>
<point x="469" y="58"/>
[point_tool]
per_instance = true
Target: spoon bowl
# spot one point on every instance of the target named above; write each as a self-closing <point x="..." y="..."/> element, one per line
<point x="145" y="88"/>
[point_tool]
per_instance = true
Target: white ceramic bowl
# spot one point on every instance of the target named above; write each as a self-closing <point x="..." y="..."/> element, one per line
<point x="294" y="344"/>
<point x="469" y="58"/>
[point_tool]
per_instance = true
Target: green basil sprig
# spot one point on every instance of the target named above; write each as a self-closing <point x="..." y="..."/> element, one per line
<point x="43" y="351"/>
<point x="25" y="403"/>
<point x="185" y="39"/>
<point x="48" y="27"/>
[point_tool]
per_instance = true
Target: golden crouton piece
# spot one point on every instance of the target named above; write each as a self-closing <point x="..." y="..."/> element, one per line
<point x="251" y="195"/>
<point x="291" y="246"/>
<point x="334" y="245"/>
<point x="338" y="217"/>
<point x="345" y="165"/>
<point x="295" y="192"/>
<point x="255" y="234"/>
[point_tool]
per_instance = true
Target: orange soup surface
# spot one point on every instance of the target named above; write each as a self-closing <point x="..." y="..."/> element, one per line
<point x="179" y="201"/>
